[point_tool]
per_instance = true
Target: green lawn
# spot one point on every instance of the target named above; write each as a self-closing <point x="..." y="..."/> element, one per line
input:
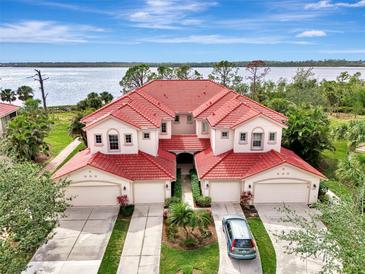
<point x="205" y="259"/>
<point x="263" y="241"/>
<point x="331" y="158"/>
<point x="337" y="187"/>
<point x="110" y="262"/>
<point x="58" y="138"/>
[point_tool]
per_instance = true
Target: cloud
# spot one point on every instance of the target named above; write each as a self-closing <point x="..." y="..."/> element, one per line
<point x="311" y="33"/>
<point x="45" y="32"/>
<point x="219" y="39"/>
<point x="168" y="14"/>
<point x="326" y="4"/>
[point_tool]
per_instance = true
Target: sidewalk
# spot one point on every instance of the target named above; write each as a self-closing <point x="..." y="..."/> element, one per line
<point x="52" y="166"/>
<point x="187" y="194"/>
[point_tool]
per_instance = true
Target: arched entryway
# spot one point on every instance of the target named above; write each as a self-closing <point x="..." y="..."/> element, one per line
<point x="185" y="162"/>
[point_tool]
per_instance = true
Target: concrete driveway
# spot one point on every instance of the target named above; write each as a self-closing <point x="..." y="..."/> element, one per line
<point x="286" y="264"/>
<point x="79" y="243"/>
<point x="142" y="246"/>
<point x="228" y="265"/>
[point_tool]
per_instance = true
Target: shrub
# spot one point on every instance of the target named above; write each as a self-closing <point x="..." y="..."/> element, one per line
<point x="202" y="201"/>
<point x="171" y="233"/>
<point x="126" y="211"/>
<point x="190" y="242"/>
<point x="176" y="189"/>
<point x="172" y="200"/>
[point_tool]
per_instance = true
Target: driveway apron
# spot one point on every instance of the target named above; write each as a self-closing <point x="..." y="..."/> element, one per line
<point x="228" y="265"/>
<point x="142" y="247"/>
<point x="272" y="220"/>
<point x="79" y="242"/>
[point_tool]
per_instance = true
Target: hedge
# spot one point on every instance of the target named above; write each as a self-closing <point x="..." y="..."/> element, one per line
<point x="201" y="201"/>
<point x="176" y="189"/>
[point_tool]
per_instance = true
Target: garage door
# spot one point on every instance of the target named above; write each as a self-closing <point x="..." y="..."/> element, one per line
<point x="149" y="193"/>
<point x="281" y="192"/>
<point x="225" y="191"/>
<point x="93" y="195"/>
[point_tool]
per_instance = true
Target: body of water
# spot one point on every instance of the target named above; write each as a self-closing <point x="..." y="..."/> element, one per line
<point x="67" y="86"/>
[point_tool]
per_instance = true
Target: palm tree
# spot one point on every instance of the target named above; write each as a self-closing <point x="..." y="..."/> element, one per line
<point x="181" y="215"/>
<point x="7" y="95"/>
<point x="24" y="93"/>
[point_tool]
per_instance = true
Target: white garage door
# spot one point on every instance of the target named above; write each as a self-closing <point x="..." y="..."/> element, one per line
<point x="93" y="195"/>
<point x="225" y="191"/>
<point x="281" y="192"/>
<point x="149" y="193"/>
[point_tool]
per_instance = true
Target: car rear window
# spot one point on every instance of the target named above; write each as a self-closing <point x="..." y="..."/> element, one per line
<point x="243" y="243"/>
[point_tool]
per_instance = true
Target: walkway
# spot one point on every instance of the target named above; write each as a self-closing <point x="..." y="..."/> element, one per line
<point x="228" y="265"/>
<point x="187" y="194"/>
<point x="142" y="247"/>
<point x="52" y="166"/>
<point x="272" y="220"/>
<point x="79" y="243"/>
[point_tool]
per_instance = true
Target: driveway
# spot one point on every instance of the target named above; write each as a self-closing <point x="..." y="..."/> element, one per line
<point x="286" y="264"/>
<point x="142" y="246"/>
<point x="228" y="265"/>
<point x="79" y="243"/>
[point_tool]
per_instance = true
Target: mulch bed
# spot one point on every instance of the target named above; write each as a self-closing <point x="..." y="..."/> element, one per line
<point x="250" y="211"/>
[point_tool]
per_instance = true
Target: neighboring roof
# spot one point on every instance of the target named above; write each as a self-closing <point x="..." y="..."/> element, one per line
<point x="230" y="165"/>
<point x="182" y="95"/>
<point x="141" y="166"/>
<point x="189" y="142"/>
<point x="6" y="109"/>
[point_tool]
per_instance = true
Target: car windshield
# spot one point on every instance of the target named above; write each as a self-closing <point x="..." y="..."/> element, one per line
<point x="243" y="243"/>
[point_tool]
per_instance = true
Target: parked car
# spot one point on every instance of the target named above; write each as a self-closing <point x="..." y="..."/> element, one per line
<point x="240" y="242"/>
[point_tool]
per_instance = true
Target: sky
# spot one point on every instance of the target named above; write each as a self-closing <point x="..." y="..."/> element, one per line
<point x="181" y="31"/>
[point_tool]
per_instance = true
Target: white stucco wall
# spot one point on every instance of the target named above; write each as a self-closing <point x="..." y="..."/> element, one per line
<point x="103" y="128"/>
<point x="219" y="144"/>
<point x="166" y="135"/>
<point x="198" y="129"/>
<point x="259" y="122"/>
<point x="1" y="127"/>
<point x="286" y="173"/>
<point x="149" y="146"/>
<point x="183" y="127"/>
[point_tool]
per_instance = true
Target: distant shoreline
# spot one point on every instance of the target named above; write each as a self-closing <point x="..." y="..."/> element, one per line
<point x="309" y="63"/>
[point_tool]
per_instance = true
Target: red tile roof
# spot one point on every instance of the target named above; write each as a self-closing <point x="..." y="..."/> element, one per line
<point x="6" y="109"/>
<point x="182" y="95"/>
<point x="184" y="143"/>
<point x="141" y="166"/>
<point x="231" y="165"/>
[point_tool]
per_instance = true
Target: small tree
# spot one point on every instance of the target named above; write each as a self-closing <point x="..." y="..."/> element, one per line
<point x="75" y="128"/>
<point x="26" y="132"/>
<point x="257" y="70"/>
<point x="106" y="97"/>
<point x="136" y="76"/>
<point x="30" y="205"/>
<point x="226" y="74"/>
<point x="24" y="93"/>
<point x="8" y="95"/>
<point x="165" y="73"/>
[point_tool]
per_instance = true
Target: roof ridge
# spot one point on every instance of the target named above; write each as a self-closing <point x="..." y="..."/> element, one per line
<point x="261" y="105"/>
<point x="140" y="113"/>
<point x="225" y="115"/>
<point x="220" y="160"/>
<point x="144" y="95"/>
<point x="216" y="97"/>
<point x="147" y="156"/>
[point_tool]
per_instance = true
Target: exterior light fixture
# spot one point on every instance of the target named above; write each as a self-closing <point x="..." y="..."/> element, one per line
<point x="124" y="188"/>
<point x="167" y="186"/>
<point x="314" y="186"/>
<point x="207" y="185"/>
<point x="249" y="186"/>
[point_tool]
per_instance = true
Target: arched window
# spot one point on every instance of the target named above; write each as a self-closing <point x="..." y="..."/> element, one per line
<point x="113" y="140"/>
<point x="257" y="139"/>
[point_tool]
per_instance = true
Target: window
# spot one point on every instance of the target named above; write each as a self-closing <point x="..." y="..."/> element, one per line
<point x="224" y="134"/>
<point x="164" y="128"/>
<point x="204" y="127"/>
<point x="113" y="142"/>
<point x="272" y="137"/>
<point x="257" y="140"/>
<point x="128" y="139"/>
<point x="189" y="118"/>
<point x="146" y="135"/>
<point x="177" y="119"/>
<point x="98" y="139"/>
<point x="243" y="137"/>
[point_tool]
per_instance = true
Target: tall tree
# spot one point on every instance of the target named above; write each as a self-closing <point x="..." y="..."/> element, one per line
<point x="39" y="77"/>
<point x="225" y="73"/>
<point x="165" y="73"/>
<point x="183" y="72"/>
<point x="106" y="97"/>
<point x="30" y="206"/>
<point x="24" y="93"/>
<point x="136" y="76"/>
<point x="257" y="70"/>
<point x="8" y="95"/>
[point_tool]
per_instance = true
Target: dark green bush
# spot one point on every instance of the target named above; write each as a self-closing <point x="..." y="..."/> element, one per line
<point x="126" y="211"/>
<point x="171" y="233"/>
<point x="190" y="242"/>
<point x="172" y="200"/>
<point x="176" y="186"/>
<point x="201" y="201"/>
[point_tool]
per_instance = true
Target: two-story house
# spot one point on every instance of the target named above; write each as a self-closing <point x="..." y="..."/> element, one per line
<point x="135" y="143"/>
<point x="7" y="111"/>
